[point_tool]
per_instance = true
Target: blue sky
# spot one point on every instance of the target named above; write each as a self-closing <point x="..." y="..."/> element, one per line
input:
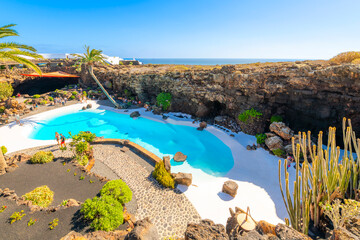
<point x="311" y="29"/>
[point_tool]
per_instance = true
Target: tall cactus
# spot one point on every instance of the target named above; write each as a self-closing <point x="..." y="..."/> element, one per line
<point x="324" y="179"/>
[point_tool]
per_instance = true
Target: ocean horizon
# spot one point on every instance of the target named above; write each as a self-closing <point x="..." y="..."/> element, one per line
<point x="211" y="61"/>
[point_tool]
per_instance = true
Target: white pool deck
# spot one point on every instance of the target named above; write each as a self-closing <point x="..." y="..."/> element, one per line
<point x="256" y="172"/>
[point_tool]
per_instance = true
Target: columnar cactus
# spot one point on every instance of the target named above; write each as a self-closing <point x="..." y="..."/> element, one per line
<point x="324" y="179"/>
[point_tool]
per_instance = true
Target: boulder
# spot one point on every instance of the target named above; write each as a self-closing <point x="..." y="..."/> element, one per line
<point x="143" y="230"/>
<point x="282" y="130"/>
<point x="202" y="111"/>
<point x="274" y="143"/>
<point x="88" y="106"/>
<point x="239" y="222"/>
<point x="230" y="187"/>
<point x="108" y="84"/>
<point x="220" y="119"/>
<point x="182" y="178"/>
<point x="288" y="149"/>
<point x="265" y="228"/>
<point x="166" y="160"/>
<point x="285" y="232"/>
<point x="73" y="236"/>
<point x="72" y="203"/>
<point x="206" y="229"/>
<point x="203" y="125"/>
<point x="11" y="103"/>
<point x="83" y="108"/>
<point x="135" y="114"/>
<point x="180" y="157"/>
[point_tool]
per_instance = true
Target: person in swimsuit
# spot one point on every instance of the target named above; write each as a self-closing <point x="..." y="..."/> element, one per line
<point x="63" y="144"/>
<point x="57" y="137"/>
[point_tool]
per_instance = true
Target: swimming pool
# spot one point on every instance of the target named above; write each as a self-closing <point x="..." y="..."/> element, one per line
<point x="204" y="150"/>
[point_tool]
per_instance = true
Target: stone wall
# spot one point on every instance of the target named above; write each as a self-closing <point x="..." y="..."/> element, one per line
<point x="310" y="95"/>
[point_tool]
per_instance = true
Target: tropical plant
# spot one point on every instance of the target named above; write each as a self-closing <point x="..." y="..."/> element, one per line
<point x="118" y="190"/>
<point x="89" y="58"/>
<point x="42" y="157"/>
<point x="3" y="208"/>
<point x="278" y="152"/>
<point x="324" y="180"/>
<point x="40" y="196"/>
<point x="164" y="100"/>
<point x="53" y="223"/>
<point x="3" y="164"/>
<point x="106" y="213"/>
<point x="36" y="96"/>
<point x="11" y="51"/>
<point x="6" y="90"/>
<point x="31" y="222"/>
<point x="249" y="114"/>
<point x="163" y="176"/>
<point x="260" y="138"/>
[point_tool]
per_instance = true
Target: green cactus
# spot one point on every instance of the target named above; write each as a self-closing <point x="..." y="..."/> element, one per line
<point x="324" y="179"/>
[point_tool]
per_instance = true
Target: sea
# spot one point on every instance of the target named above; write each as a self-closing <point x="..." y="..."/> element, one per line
<point x="209" y="61"/>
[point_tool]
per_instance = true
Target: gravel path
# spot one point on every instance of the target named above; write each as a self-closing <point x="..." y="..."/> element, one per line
<point x="168" y="209"/>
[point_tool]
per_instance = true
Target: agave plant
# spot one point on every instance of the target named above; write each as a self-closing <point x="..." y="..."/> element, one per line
<point x="89" y="58"/>
<point x="11" y="51"/>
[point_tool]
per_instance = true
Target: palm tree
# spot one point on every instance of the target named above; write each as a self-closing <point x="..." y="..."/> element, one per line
<point x="89" y="59"/>
<point x="10" y="51"/>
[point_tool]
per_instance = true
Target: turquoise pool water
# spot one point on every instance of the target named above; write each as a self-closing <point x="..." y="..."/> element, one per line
<point x="205" y="151"/>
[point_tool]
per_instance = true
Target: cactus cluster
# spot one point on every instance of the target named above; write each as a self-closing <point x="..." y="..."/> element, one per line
<point x="322" y="179"/>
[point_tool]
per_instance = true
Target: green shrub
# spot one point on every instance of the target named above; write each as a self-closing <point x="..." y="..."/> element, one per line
<point x="84" y="94"/>
<point x="127" y="93"/>
<point x="276" y="118"/>
<point x="6" y="90"/>
<point x="4" y="150"/>
<point x="40" y="196"/>
<point x="106" y="213"/>
<point x="43" y="102"/>
<point x="82" y="159"/>
<point x="118" y="190"/>
<point x="72" y="97"/>
<point x="81" y="147"/>
<point x="36" y="96"/>
<point x="51" y="99"/>
<point x="83" y="136"/>
<point x="2" y="109"/>
<point x="246" y="115"/>
<point x="278" y="152"/>
<point x="260" y="138"/>
<point x="163" y="176"/>
<point x="164" y="100"/>
<point x="42" y="157"/>
<point x="17" y="216"/>
<point x="74" y="93"/>
<point x="356" y="61"/>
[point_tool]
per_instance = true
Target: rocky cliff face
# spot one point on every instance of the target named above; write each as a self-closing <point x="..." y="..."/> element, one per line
<point x="310" y="95"/>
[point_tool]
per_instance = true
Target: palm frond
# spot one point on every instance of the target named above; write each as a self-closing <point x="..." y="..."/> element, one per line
<point x="16" y="46"/>
<point x="6" y="56"/>
<point x="5" y="31"/>
<point x="23" y="53"/>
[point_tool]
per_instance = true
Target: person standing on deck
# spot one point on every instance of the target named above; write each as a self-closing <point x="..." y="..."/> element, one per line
<point x="57" y="137"/>
<point x="63" y="144"/>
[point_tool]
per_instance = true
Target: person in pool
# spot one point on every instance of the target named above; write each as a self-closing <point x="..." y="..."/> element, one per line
<point x="57" y="137"/>
<point x="63" y="144"/>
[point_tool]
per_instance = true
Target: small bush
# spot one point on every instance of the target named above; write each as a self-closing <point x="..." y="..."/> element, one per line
<point x="40" y="196"/>
<point x="83" y="160"/>
<point x="164" y="100"/>
<point x="84" y="136"/>
<point x="4" y="150"/>
<point x="345" y="57"/>
<point x="72" y="97"/>
<point x="53" y="224"/>
<point x="36" y="96"/>
<point x="356" y="61"/>
<point x="17" y="216"/>
<point x="276" y="118"/>
<point x="42" y="157"/>
<point x="6" y="90"/>
<point x="81" y="147"/>
<point x="118" y="190"/>
<point x="106" y="213"/>
<point x="163" y="176"/>
<point x="2" y="109"/>
<point x="51" y="99"/>
<point x="278" y="152"/>
<point x="260" y="138"/>
<point x="74" y="93"/>
<point x="43" y="102"/>
<point x="246" y="115"/>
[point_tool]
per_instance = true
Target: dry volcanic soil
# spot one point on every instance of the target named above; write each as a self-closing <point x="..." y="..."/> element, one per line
<point x="65" y="180"/>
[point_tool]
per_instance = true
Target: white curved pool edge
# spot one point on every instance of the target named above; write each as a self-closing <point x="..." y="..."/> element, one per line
<point x="205" y="194"/>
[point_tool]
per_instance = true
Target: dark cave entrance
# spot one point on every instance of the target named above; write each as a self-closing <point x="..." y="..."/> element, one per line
<point x="215" y="108"/>
<point x="42" y="85"/>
